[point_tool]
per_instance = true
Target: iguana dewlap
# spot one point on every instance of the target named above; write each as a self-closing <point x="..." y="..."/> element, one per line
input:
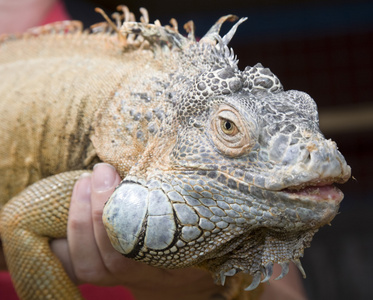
<point x="221" y="168"/>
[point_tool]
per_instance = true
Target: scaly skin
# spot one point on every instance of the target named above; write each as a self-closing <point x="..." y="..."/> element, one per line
<point x="37" y="213"/>
<point x="221" y="168"/>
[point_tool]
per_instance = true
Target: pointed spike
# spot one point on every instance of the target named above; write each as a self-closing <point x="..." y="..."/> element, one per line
<point x="231" y="272"/>
<point x="174" y="24"/>
<point x="256" y="281"/>
<point x="121" y="37"/>
<point x="227" y="52"/>
<point x="228" y="37"/>
<point x="222" y="278"/>
<point x="144" y="15"/>
<point x="117" y="17"/>
<point x="300" y="267"/>
<point x="189" y="28"/>
<point x="258" y="65"/>
<point x="132" y="17"/>
<point x="284" y="271"/>
<point x="125" y="11"/>
<point x="107" y="19"/>
<point x="268" y="271"/>
<point x="210" y="36"/>
<point x="157" y="23"/>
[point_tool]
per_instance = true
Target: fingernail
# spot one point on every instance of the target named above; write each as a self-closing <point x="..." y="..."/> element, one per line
<point x="82" y="188"/>
<point x="103" y="177"/>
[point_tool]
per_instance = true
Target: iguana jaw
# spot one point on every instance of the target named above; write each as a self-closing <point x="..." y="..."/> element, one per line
<point x="315" y="193"/>
<point x="318" y="204"/>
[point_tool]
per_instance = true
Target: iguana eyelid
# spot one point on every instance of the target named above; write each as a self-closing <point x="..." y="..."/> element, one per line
<point x="235" y="144"/>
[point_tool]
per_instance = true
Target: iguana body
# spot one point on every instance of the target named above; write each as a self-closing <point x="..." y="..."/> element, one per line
<point x="221" y="168"/>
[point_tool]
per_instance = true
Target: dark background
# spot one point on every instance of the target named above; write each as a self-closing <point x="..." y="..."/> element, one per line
<point x="324" y="48"/>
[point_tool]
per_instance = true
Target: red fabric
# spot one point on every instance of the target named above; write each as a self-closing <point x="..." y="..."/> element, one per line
<point x="88" y="291"/>
<point x="6" y="287"/>
<point x="91" y="292"/>
<point x="58" y="13"/>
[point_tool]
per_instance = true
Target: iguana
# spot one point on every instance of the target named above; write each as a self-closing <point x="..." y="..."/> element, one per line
<point x="222" y="168"/>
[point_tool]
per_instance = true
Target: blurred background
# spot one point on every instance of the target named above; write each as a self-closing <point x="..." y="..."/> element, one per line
<point x="324" y="48"/>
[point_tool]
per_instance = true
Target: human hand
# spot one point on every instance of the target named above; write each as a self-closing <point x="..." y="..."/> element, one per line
<point x="88" y="256"/>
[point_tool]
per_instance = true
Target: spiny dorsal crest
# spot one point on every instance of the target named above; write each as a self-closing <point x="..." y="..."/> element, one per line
<point x="206" y="59"/>
<point x="210" y="54"/>
<point x="167" y="37"/>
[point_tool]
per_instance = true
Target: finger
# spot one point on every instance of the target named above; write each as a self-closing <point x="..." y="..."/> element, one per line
<point x="60" y="248"/>
<point x="84" y="252"/>
<point x="104" y="181"/>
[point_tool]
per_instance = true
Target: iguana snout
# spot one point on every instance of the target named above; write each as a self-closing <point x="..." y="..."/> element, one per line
<point x="311" y="161"/>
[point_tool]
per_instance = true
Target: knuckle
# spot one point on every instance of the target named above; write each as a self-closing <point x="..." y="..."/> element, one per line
<point x="78" y="224"/>
<point x="97" y="215"/>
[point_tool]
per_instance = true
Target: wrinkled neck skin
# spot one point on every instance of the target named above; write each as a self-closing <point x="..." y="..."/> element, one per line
<point x="238" y="178"/>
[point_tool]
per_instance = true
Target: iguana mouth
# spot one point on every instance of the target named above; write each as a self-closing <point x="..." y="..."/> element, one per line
<point x="316" y="193"/>
<point x="318" y="202"/>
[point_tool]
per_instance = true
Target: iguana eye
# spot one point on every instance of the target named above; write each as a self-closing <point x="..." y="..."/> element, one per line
<point x="230" y="132"/>
<point x="228" y="127"/>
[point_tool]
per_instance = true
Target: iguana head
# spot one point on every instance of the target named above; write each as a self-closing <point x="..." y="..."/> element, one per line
<point x="239" y="176"/>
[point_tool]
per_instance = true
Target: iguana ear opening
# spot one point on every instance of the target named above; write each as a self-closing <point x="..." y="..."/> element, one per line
<point x="229" y="132"/>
